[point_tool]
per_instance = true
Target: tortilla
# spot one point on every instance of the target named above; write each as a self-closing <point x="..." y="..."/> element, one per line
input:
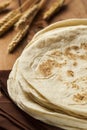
<point x="52" y="63"/>
<point x="35" y="110"/>
<point x="51" y="71"/>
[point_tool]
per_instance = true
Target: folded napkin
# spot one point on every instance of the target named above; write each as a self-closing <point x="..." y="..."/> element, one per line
<point x="11" y="117"/>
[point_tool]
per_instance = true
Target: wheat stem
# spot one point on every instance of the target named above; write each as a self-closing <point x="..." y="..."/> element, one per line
<point x="4" y="5"/>
<point x="9" y="23"/>
<point x="53" y="9"/>
<point x="23" y="25"/>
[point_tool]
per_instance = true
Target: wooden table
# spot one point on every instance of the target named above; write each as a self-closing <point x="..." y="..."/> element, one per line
<point x="71" y="9"/>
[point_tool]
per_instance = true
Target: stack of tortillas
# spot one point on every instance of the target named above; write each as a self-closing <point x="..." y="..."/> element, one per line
<point x="49" y="80"/>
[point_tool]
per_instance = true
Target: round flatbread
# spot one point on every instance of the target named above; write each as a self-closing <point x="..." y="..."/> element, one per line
<point x="35" y="110"/>
<point x="48" y="81"/>
<point x="55" y="65"/>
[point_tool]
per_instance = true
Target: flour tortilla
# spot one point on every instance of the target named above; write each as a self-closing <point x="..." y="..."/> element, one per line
<point x="12" y="91"/>
<point x="35" y="110"/>
<point x="59" y="25"/>
<point x="40" y="51"/>
<point x="43" y="102"/>
<point x="22" y="102"/>
<point x="27" y="88"/>
<point x="62" y="24"/>
<point x="37" y="97"/>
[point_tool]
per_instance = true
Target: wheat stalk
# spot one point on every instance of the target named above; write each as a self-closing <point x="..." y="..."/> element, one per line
<point x="25" y="19"/>
<point x="22" y="29"/>
<point x="4" y="5"/>
<point x="41" y="3"/>
<point x="12" y="14"/>
<point x="8" y="17"/>
<point x="17" y="39"/>
<point x="9" y="22"/>
<point x="23" y="25"/>
<point x="30" y="3"/>
<point x="54" y="8"/>
<point x="31" y="12"/>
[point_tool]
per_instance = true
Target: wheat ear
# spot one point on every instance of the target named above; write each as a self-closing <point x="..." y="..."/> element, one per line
<point x="53" y="9"/>
<point x="4" y="5"/>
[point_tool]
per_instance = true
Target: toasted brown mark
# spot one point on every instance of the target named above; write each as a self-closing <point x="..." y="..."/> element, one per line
<point x="56" y="53"/>
<point x="80" y="97"/>
<point x="75" y="86"/>
<point x="70" y="55"/>
<point x="70" y="73"/>
<point x="75" y="47"/>
<point x="84" y="46"/>
<point x="83" y="57"/>
<point x="47" y="66"/>
<point x="75" y="64"/>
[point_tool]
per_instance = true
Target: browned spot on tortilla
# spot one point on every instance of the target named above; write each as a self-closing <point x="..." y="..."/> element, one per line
<point x="70" y="73"/>
<point x="83" y="57"/>
<point x="74" y="47"/>
<point x="84" y="46"/>
<point x="69" y="54"/>
<point x="75" y="86"/>
<point x="47" y="66"/>
<point x="75" y="64"/>
<point x="73" y="56"/>
<point x="80" y="97"/>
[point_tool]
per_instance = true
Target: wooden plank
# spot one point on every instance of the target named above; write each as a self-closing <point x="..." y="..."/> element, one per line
<point x="71" y="9"/>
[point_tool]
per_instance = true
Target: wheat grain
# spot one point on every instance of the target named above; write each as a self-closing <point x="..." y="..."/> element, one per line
<point x="7" y="24"/>
<point x="41" y="4"/>
<point x="55" y="7"/>
<point x="22" y="26"/>
<point x="17" y="39"/>
<point x="14" y="12"/>
<point x="8" y="17"/>
<point x="29" y="4"/>
<point x="31" y="11"/>
<point x="4" y="5"/>
<point x="25" y="19"/>
<point x="11" y="18"/>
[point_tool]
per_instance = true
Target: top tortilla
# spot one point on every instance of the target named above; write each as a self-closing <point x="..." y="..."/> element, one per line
<point x="55" y="65"/>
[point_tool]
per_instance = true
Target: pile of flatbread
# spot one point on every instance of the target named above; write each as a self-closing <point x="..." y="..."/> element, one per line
<point x="49" y="80"/>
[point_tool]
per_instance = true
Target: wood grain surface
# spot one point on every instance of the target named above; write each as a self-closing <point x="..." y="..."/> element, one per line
<point x="71" y="9"/>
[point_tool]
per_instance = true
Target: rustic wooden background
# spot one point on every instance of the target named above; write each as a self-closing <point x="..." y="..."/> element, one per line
<point x="71" y="9"/>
